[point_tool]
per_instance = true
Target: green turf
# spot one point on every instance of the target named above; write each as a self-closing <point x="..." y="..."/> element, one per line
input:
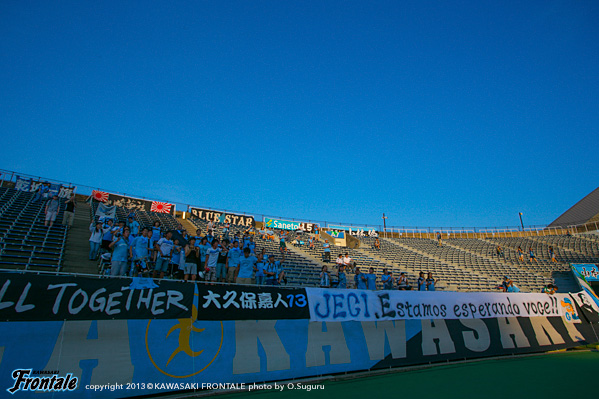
<point x="550" y="376"/>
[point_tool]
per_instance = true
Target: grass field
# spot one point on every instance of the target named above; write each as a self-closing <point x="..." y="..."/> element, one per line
<point x="550" y="376"/>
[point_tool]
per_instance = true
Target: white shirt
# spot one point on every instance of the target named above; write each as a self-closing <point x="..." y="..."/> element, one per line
<point x="340" y="261"/>
<point x="346" y="260"/>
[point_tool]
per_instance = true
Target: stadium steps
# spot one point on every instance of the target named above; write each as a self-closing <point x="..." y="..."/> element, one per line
<point x="188" y="226"/>
<point x="436" y="258"/>
<point x="77" y="243"/>
<point x="565" y="250"/>
<point x="412" y="271"/>
<point x="313" y="258"/>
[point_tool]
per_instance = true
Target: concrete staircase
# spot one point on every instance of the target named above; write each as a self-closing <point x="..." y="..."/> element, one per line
<point x="189" y="227"/>
<point x="77" y="244"/>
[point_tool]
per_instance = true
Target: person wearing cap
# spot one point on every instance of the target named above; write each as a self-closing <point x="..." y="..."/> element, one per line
<point x="274" y="270"/>
<point x="327" y="250"/>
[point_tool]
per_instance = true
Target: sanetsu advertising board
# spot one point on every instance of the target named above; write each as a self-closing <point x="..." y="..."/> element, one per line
<point x="289" y="225"/>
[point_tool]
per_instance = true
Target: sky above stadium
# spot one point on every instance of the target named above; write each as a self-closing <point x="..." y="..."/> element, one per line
<point x="436" y="113"/>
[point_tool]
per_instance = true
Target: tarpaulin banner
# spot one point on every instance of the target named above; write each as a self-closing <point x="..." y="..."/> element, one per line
<point x="223" y="217"/>
<point x="362" y="305"/>
<point x="355" y="231"/>
<point x="252" y="303"/>
<point x="29" y="185"/>
<point x="22" y="184"/>
<point x="289" y="225"/>
<point x="132" y="203"/>
<point x="589" y="271"/>
<point x="125" y="358"/>
<point x="106" y="211"/>
<point x="45" y="297"/>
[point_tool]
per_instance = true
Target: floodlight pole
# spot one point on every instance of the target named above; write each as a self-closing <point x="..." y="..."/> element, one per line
<point x="521" y="223"/>
<point x="385" y="224"/>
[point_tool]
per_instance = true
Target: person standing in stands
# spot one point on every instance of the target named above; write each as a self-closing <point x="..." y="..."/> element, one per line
<point x="251" y="245"/>
<point x="282" y="245"/>
<point x="156" y="236"/>
<point x="133" y="226"/>
<point x="439" y="243"/>
<point x="211" y="261"/>
<point x="69" y="213"/>
<point x="51" y="211"/>
<point x="360" y="280"/>
<point x="316" y="232"/>
<point x="325" y="279"/>
<point x="421" y="282"/>
<point x="552" y="254"/>
<point x="203" y="246"/>
<point x="140" y="251"/>
<point x="95" y="239"/>
<point x="176" y="259"/>
<point x="387" y="279"/>
<point x="402" y="282"/>
<point x="120" y="252"/>
<point x="341" y="276"/>
<point x="107" y="234"/>
<point x="371" y="280"/>
<point x="226" y="229"/>
<point x="247" y="265"/>
<point x="274" y="270"/>
<point x="430" y="282"/>
<point x="259" y="269"/>
<point x="164" y="248"/>
<point x="233" y="259"/>
<point x="192" y="253"/>
<point x="532" y="256"/>
<point x="520" y="254"/>
<point x="327" y="250"/>
<point x="221" y="263"/>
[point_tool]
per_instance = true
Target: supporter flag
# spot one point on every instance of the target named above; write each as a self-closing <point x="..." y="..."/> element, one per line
<point x="99" y="195"/>
<point x="160" y="207"/>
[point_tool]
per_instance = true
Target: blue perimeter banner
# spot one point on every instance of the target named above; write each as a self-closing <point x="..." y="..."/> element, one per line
<point x="589" y="271"/>
<point x="124" y="358"/>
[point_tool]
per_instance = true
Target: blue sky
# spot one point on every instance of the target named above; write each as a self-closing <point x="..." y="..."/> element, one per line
<point x="436" y="113"/>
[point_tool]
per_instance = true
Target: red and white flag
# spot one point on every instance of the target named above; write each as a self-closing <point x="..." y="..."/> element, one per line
<point x="160" y="207"/>
<point x="99" y="195"/>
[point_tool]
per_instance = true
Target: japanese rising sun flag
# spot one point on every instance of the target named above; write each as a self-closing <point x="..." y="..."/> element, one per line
<point x="99" y="195"/>
<point x="160" y="207"/>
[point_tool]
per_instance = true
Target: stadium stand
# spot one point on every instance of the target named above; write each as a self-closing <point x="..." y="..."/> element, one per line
<point x="25" y="243"/>
<point x="462" y="264"/>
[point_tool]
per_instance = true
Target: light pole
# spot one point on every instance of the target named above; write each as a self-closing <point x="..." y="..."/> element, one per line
<point x="521" y="223"/>
<point x="385" y="224"/>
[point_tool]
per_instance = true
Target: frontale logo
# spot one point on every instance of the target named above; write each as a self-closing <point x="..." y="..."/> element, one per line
<point x="196" y="347"/>
<point x="24" y="381"/>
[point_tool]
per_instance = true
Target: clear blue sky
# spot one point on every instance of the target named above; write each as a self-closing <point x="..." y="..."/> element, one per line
<point x="436" y="113"/>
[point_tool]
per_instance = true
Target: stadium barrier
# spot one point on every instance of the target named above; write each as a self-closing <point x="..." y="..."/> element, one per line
<point x="196" y="335"/>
